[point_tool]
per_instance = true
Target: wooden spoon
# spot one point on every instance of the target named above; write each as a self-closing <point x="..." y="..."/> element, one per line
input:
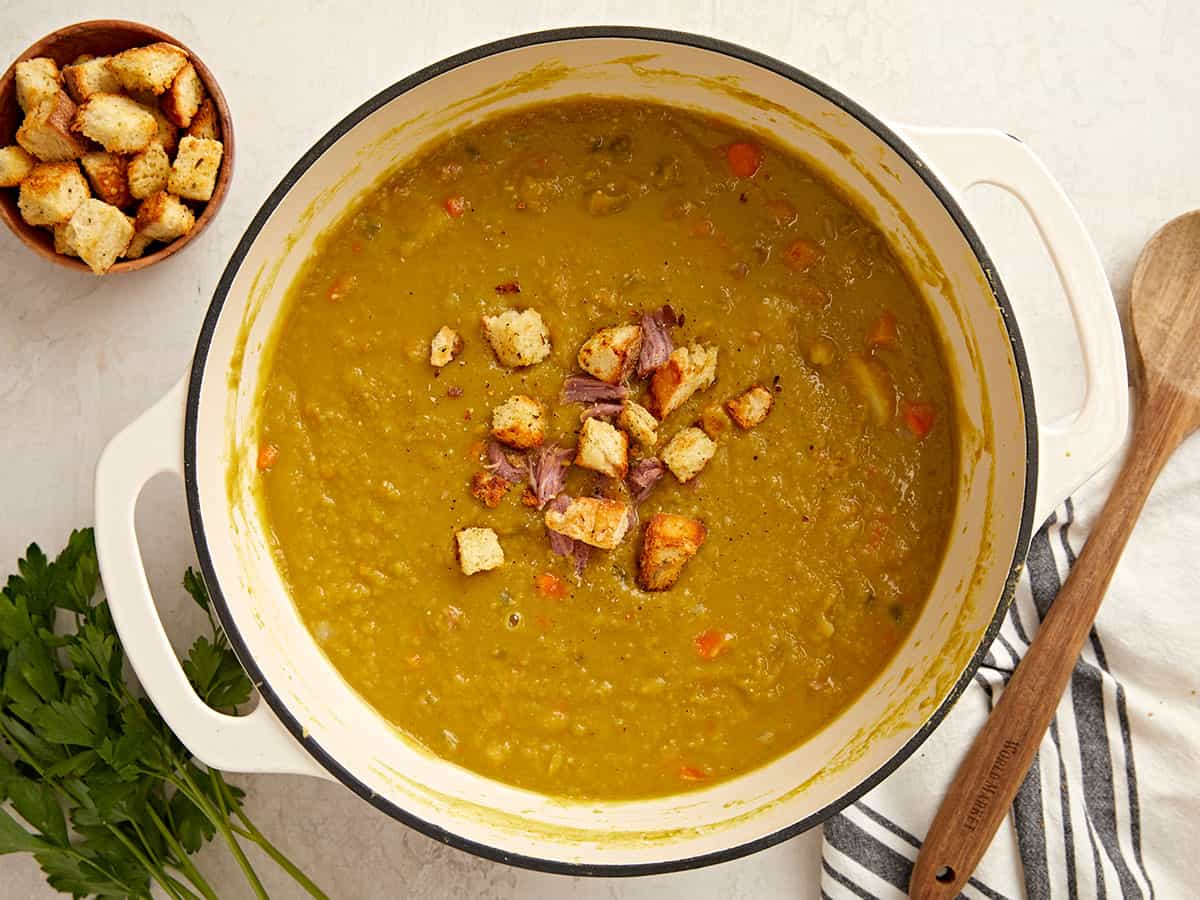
<point x="1166" y="327"/>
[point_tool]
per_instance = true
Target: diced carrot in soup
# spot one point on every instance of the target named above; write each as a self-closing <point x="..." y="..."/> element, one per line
<point x="744" y="158"/>
<point x="803" y="254"/>
<point x="455" y="206"/>
<point x="692" y="773"/>
<point x="919" y="417"/>
<point x="884" y="332"/>
<point x="267" y="457"/>
<point x="711" y="643"/>
<point x="550" y="585"/>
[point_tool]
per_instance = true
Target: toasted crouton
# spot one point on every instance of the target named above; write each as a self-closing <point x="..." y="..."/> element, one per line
<point x="204" y="122"/>
<point x="602" y="448"/>
<point x="15" y="164"/>
<point x="611" y="353"/>
<point x="478" y="550"/>
<point x="489" y="488"/>
<point x="594" y="520"/>
<point x="148" y="171"/>
<point x="46" y="131"/>
<point x="714" y="420"/>
<point x="51" y="193"/>
<point x="688" y="452"/>
<point x="520" y="422"/>
<point x="669" y="542"/>
<point x="194" y="172"/>
<point x="137" y="245"/>
<point x="99" y="233"/>
<point x="151" y="68"/>
<point x="686" y="371"/>
<point x="62" y="240"/>
<point x="92" y="76"/>
<point x="106" y="173"/>
<point x="37" y="82"/>
<point x="118" y="124"/>
<point x="446" y="345"/>
<point x="162" y="217"/>
<point x="518" y="338"/>
<point x="642" y="426"/>
<point x="182" y="99"/>
<point x="168" y="134"/>
<point x="750" y="408"/>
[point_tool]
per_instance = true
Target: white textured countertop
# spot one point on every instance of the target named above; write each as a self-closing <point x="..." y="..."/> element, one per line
<point x="1107" y="98"/>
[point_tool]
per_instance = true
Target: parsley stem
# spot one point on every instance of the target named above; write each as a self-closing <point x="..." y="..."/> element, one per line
<point x="185" y="864"/>
<point x="251" y="833"/>
<point x="220" y="818"/>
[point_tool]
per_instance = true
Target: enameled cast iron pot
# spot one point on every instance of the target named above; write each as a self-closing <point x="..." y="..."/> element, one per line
<point x="1014" y="470"/>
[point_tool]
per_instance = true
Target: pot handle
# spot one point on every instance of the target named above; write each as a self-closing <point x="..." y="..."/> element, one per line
<point x="255" y="742"/>
<point x="1074" y="448"/>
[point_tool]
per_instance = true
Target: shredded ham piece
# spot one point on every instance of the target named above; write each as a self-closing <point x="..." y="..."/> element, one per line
<point x="548" y="472"/>
<point x="499" y="462"/>
<point x="586" y="389"/>
<point x="603" y="410"/>
<point x="582" y="553"/>
<point x="643" y="476"/>
<point x="656" y="339"/>
<point x="560" y="543"/>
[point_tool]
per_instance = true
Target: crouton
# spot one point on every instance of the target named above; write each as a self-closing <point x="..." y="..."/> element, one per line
<point x="686" y="371"/>
<point x="182" y="99"/>
<point x="750" y="408"/>
<point x="168" y="134"/>
<point x="15" y="164"/>
<point x="62" y="240"/>
<point x="520" y="422"/>
<point x="714" y="420"/>
<point x="51" y="193"/>
<point x="148" y="170"/>
<point x="204" y="122"/>
<point x="92" y="76"/>
<point x="194" y="172"/>
<point x="162" y="217"/>
<point x="594" y="520"/>
<point x="478" y="550"/>
<point x="99" y="233"/>
<point x="670" y="541"/>
<point x="688" y="452"/>
<point x="118" y="124"/>
<point x="642" y="426"/>
<point x="46" y="131"/>
<point x="518" y="338"/>
<point x="37" y="82"/>
<point x="611" y="353"/>
<point x="489" y="488"/>
<point x="106" y="173"/>
<point x="446" y="345"/>
<point x="137" y="246"/>
<point x="602" y="448"/>
<point x="151" y="68"/>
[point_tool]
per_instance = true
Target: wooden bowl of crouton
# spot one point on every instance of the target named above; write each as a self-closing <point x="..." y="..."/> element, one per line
<point x="116" y="146"/>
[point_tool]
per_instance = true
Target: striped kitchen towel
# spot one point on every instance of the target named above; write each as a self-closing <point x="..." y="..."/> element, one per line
<point x="1111" y="807"/>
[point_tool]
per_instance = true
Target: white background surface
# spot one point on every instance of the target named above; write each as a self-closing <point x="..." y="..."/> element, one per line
<point x="1105" y="93"/>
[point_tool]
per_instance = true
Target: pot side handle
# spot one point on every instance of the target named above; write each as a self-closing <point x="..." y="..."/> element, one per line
<point x="255" y="742"/>
<point x="1073" y="449"/>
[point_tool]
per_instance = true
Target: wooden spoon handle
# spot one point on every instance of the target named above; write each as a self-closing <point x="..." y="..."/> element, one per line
<point x="988" y="779"/>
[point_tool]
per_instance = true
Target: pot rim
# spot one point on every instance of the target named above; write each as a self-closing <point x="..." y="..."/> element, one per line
<point x="370" y="106"/>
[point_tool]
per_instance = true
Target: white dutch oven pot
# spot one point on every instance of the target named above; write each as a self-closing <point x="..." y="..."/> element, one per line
<point x="1014" y="470"/>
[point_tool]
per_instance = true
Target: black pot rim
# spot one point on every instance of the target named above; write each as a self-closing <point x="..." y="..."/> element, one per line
<point x="200" y="358"/>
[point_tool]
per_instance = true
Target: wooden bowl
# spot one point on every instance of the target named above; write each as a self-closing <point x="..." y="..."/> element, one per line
<point x="104" y="37"/>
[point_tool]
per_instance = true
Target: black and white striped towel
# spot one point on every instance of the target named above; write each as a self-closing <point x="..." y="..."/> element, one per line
<point x="1111" y="807"/>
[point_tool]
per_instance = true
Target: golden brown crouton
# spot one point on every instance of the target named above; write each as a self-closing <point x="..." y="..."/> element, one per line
<point x="750" y="408"/>
<point x="92" y="76"/>
<point x="446" y="345"/>
<point x="518" y="338"/>
<point x="602" y="448"/>
<point x="46" y="131"/>
<point x="594" y="520"/>
<point x="37" y="82"/>
<point x="686" y="371"/>
<point x="62" y="240"/>
<point x="148" y="171"/>
<point x="99" y="233"/>
<point x="194" y="172"/>
<point x="611" y="353"/>
<point x="182" y="99"/>
<point x="51" y="193"/>
<point x="519" y="422"/>
<point x="204" y="122"/>
<point x="15" y="164"/>
<point x="478" y="550"/>
<point x="151" y="68"/>
<point x="162" y="217"/>
<point x="118" y="124"/>
<point x="714" y="420"/>
<point x="489" y="488"/>
<point x="106" y="173"/>
<point x="669" y="542"/>
<point x="688" y="452"/>
<point x="168" y="134"/>
<point x="640" y="424"/>
<point x="137" y="246"/>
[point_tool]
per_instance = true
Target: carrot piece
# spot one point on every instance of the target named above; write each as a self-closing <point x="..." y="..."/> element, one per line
<point x="919" y="417"/>
<point x="744" y="158"/>
<point x="455" y="206"/>
<point x="802" y="254"/>
<point x="550" y="585"/>
<point x="883" y="333"/>
<point x="267" y="457"/>
<point x="691" y="773"/>
<point x="341" y="286"/>
<point x="712" y="643"/>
